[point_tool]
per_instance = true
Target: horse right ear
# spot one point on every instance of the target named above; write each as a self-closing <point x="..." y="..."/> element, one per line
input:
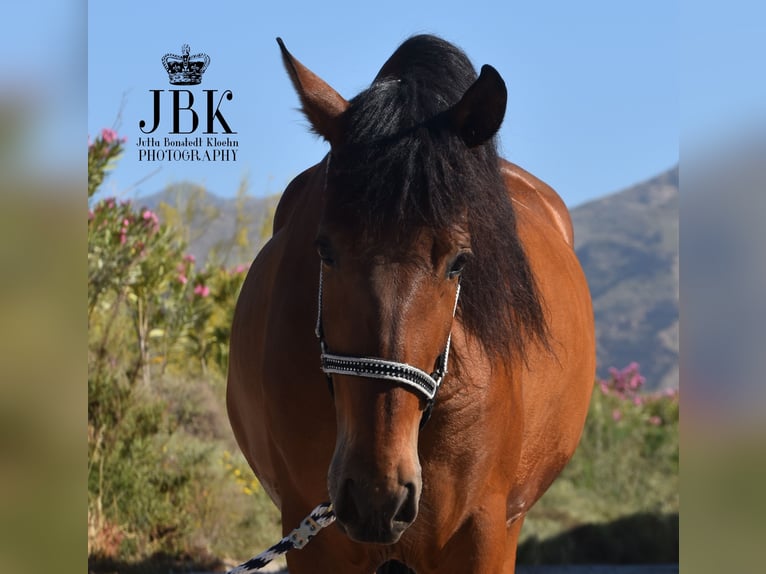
<point x="322" y="105"/>
<point x="480" y="112"/>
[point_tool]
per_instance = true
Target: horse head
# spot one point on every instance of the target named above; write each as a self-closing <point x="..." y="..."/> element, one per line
<point x="393" y="241"/>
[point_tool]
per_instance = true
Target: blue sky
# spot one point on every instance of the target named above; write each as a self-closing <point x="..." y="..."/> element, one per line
<point x="722" y="79"/>
<point x="593" y="85"/>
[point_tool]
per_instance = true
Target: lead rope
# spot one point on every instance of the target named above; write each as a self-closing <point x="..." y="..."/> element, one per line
<point x="321" y="517"/>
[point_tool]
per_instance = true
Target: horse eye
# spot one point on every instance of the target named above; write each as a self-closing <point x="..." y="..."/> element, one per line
<point x="456" y="268"/>
<point x="325" y="253"/>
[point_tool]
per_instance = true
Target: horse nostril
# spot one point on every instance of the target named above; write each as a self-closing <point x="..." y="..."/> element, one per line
<point x="345" y="504"/>
<point x="408" y="509"/>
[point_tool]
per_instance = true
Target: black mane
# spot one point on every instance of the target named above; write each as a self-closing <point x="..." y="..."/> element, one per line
<point x="401" y="167"/>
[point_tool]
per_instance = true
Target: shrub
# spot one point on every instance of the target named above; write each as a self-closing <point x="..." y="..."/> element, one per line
<point x="158" y="330"/>
<point x="626" y="465"/>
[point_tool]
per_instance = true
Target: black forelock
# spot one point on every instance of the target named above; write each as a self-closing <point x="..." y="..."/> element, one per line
<point x="400" y="161"/>
<point x="401" y="167"/>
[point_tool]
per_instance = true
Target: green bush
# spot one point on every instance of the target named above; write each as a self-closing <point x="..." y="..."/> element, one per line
<point x="626" y="465"/>
<point x="159" y="476"/>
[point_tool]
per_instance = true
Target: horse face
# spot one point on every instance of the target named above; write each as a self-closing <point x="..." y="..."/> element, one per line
<point x="394" y="304"/>
<point x="387" y="294"/>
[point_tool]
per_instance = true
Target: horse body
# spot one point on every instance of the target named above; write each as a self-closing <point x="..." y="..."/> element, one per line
<point x="455" y="492"/>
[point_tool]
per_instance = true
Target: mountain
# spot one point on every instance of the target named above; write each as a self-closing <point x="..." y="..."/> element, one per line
<point x="627" y="244"/>
<point x="215" y="223"/>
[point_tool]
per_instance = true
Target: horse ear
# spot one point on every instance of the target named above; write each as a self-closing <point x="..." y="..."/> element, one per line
<point x="321" y="104"/>
<point x="480" y="112"/>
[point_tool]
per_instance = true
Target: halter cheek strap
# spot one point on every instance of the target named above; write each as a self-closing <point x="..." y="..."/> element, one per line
<point x="417" y="380"/>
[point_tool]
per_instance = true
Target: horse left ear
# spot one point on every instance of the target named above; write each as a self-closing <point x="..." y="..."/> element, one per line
<point x="480" y="112"/>
<point x="322" y="105"/>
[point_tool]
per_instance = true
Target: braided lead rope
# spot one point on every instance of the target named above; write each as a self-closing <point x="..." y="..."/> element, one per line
<point x="321" y="517"/>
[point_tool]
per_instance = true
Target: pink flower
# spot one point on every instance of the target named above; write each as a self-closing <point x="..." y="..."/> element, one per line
<point x="190" y="258"/>
<point x="631" y="368"/>
<point x="655" y="420"/>
<point x="182" y="279"/>
<point x="108" y="135"/>
<point x="122" y="238"/>
<point x="202" y="290"/>
<point x="240" y="268"/>
<point x="638" y="401"/>
<point x="151" y="217"/>
<point x="616" y="415"/>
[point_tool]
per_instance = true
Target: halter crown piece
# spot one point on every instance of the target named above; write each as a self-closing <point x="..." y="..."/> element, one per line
<point x="377" y="368"/>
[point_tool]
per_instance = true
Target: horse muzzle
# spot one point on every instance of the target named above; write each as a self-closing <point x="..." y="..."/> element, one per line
<point x="375" y="509"/>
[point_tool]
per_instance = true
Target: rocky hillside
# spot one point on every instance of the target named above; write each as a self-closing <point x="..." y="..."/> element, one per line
<point x="627" y="243"/>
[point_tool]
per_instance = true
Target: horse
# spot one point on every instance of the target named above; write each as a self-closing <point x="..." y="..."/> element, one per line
<point x="415" y="342"/>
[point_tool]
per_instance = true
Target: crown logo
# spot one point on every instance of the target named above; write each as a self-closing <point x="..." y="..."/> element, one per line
<point x="185" y="70"/>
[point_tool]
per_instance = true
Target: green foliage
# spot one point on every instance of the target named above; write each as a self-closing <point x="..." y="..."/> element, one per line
<point x="626" y="465"/>
<point x="102" y="156"/>
<point x="158" y="330"/>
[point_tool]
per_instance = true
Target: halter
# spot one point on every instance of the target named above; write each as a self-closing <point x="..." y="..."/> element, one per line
<point x="377" y="368"/>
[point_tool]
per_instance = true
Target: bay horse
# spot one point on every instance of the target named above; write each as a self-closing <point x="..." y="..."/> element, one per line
<point x="415" y="343"/>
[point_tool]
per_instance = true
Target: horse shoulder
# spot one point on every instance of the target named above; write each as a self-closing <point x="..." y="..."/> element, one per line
<point x="275" y="287"/>
<point x="245" y="402"/>
<point x="532" y="193"/>
<point x="556" y="382"/>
